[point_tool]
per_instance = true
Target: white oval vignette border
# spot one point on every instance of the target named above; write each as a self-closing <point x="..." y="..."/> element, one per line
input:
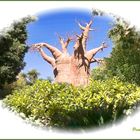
<point x="12" y="126"/>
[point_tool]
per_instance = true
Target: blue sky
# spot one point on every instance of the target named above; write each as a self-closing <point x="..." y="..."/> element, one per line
<point x="64" y="23"/>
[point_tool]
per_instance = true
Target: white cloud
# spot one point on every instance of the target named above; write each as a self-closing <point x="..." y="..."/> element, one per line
<point x="10" y="126"/>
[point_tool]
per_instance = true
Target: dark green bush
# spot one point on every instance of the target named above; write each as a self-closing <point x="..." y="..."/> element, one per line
<point x="63" y="105"/>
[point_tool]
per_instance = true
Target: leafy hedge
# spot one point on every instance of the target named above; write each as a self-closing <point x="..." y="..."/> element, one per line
<point x="66" y="106"/>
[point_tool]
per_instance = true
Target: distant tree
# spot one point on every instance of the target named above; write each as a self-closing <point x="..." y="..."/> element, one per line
<point x="33" y="75"/>
<point x="23" y="75"/>
<point x="12" y="50"/>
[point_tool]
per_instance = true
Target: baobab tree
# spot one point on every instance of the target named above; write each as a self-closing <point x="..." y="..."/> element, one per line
<point x="74" y="69"/>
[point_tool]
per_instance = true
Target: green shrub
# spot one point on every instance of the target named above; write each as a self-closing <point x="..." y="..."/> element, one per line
<point x="63" y="105"/>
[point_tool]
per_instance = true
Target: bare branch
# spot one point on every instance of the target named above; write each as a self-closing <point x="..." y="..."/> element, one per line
<point x="104" y="45"/>
<point x="64" y="44"/>
<point x="61" y="40"/>
<point x="37" y="46"/>
<point x="47" y="58"/>
<point x="93" y="60"/>
<point x="98" y="60"/>
<point x="85" y="33"/>
<point x="91" y="29"/>
<point x="81" y="27"/>
<point x="89" y="24"/>
<point x="55" y="52"/>
<point x="68" y="41"/>
<point x="90" y="54"/>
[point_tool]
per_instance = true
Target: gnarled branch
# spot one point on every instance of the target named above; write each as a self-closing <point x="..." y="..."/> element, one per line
<point x="47" y="58"/>
<point x="90" y="54"/>
<point x="98" y="60"/>
<point x="81" y="27"/>
<point x="85" y="33"/>
<point x="64" y="44"/>
<point x="55" y="52"/>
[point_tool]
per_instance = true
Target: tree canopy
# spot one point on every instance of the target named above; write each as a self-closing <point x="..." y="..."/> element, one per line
<point x="124" y="60"/>
<point x="125" y="57"/>
<point x="12" y="50"/>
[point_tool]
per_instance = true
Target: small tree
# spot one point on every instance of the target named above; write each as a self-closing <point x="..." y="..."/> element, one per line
<point x="73" y="69"/>
<point x="32" y="76"/>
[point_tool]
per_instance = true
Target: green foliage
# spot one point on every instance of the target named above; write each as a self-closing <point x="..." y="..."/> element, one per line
<point x="21" y="81"/>
<point x="124" y="61"/>
<point x="101" y="73"/>
<point x="66" y="106"/>
<point x="18" y="84"/>
<point x="12" y="50"/>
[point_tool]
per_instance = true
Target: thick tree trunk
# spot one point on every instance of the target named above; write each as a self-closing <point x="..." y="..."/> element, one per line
<point x="72" y="71"/>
